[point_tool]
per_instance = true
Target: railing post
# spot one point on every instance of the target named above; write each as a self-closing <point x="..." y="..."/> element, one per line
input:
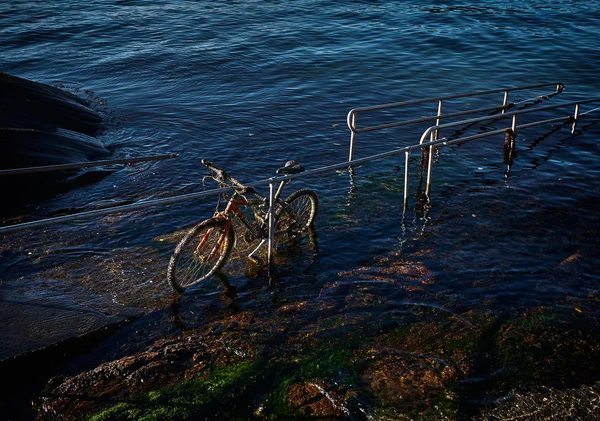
<point x="271" y="222"/>
<point x="575" y="117"/>
<point x="406" y="162"/>
<point x="439" y="116"/>
<point x="430" y="164"/>
<point x="509" y="147"/>
<point x="352" y="124"/>
<point x="505" y="102"/>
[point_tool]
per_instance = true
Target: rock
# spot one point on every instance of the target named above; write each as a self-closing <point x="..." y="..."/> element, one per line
<point x="167" y="362"/>
<point x="42" y="125"/>
<point x="159" y="366"/>
<point x="31" y="148"/>
<point x="33" y="105"/>
<point x="23" y="148"/>
<point x="402" y="379"/>
<point x="317" y="399"/>
<point x="429" y="363"/>
<point x="546" y="403"/>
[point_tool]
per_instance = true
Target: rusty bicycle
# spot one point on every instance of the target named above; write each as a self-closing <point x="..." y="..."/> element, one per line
<point x="207" y="246"/>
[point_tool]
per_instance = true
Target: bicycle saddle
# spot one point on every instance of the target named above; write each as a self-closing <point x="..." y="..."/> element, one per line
<point x="290" y="167"/>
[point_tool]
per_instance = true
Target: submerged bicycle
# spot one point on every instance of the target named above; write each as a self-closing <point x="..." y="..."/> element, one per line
<point x="207" y="246"/>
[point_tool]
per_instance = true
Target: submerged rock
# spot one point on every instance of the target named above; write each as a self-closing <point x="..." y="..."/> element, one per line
<point x="582" y="403"/>
<point x="318" y="399"/>
<point x="335" y="358"/>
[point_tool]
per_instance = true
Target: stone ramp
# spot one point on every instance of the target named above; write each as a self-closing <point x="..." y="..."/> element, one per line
<point x="45" y="323"/>
<point x="37" y="314"/>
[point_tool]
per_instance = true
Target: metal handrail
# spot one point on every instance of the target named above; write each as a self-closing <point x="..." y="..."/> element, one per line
<point x="77" y="165"/>
<point x="433" y="131"/>
<point x="113" y="209"/>
<point x="275" y="180"/>
<point x="178" y="198"/>
<point x="437" y="127"/>
<point x="352" y="114"/>
<point x="407" y="150"/>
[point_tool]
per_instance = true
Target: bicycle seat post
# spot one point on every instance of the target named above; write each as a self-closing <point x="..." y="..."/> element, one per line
<point x="279" y="189"/>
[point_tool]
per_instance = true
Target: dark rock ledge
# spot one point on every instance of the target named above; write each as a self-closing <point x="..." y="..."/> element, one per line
<point x="43" y="125"/>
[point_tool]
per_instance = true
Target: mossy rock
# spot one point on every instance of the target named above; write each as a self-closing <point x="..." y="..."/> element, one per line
<point x="546" y="348"/>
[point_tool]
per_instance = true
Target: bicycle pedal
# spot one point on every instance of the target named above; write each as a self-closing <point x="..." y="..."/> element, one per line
<point x="255" y="260"/>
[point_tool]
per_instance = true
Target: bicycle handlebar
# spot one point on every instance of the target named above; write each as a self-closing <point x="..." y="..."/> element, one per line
<point x="222" y="177"/>
<point x="291" y="167"/>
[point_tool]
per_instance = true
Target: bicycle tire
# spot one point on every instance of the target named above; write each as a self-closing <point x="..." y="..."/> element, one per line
<point x="297" y="215"/>
<point x="195" y="257"/>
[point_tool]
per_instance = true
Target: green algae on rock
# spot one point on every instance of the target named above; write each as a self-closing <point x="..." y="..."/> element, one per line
<point x="334" y="358"/>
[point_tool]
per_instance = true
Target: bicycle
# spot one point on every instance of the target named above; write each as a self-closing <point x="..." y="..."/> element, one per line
<point x="208" y="245"/>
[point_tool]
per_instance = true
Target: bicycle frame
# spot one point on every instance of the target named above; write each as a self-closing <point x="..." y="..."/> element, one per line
<point x="233" y="208"/>
<point x="208" y="245"/>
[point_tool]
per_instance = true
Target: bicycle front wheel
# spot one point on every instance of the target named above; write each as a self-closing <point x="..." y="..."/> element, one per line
<point x="297" y="213"/>
<point x="200" y="253"/>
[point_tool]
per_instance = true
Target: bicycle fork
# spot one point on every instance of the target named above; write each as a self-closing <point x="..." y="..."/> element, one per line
<point x="222" y="235"/>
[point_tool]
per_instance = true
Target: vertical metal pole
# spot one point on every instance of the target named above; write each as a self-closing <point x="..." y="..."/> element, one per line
<point x="271" y="221"/>
<point x="406" y="162"/>
<point x="514" y="125"/>
<point x="575" y="117"/>
<point x="505" y="102"/>
<point x="429" y="165"/>
<point x="439" y="115"/>
<point x="352" y="135"/>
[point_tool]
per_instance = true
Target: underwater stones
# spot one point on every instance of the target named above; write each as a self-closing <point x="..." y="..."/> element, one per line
<point x="582" y="403"/>
<point x="317" y="399"/>
<point x="412" y="372"/>
<point x="409" y="382"/>
<point x="167" y="362"/>
<point x="542" y="348"/>
<point x="420" y="364"/>
<point x="410" y="275"/>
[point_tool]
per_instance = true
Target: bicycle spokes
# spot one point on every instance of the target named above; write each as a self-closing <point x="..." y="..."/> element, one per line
<point x="295" y="216"/>
<point x="200" y="253"/>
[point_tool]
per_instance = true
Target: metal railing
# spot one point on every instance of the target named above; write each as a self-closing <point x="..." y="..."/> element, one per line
<point x="353" y="114"/>
<point x="433" y="131"/>
<point x="78" y="165"/>
<point x="272" y="182"/>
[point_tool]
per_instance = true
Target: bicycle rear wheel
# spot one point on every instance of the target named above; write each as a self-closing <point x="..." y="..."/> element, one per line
<point x="297" y="215"/>
<point x="200" y="253"/>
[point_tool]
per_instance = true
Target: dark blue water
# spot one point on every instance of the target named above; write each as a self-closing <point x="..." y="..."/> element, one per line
<point x="251" y="84"/>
